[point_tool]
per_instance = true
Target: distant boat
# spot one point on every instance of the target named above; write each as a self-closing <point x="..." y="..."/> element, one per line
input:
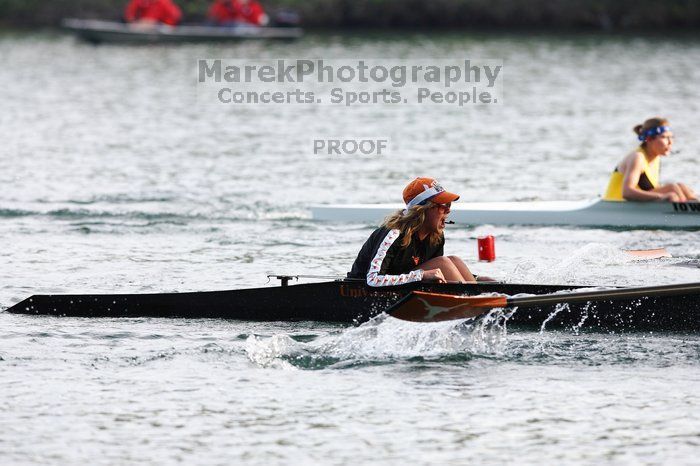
<point x="595" y="213"/>
<point x="96" y="32"/>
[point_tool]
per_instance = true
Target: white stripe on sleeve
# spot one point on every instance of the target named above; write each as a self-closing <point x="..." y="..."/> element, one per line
<point x="375" y="265"/>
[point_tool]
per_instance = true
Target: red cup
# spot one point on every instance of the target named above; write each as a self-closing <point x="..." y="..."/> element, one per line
<point x="487" y="248"/>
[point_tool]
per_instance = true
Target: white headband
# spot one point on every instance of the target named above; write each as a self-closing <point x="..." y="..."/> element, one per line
<point x="424" y="196"/>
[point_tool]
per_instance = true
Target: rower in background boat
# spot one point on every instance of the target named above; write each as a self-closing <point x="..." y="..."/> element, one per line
<point x="151" y="12"/>
<point x="408" y="246"/>
<point x="234" y="13"/>
<point x="636" y="177"/>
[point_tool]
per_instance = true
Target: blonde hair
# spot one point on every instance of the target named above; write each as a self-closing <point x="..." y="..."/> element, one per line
<point x="410" y="223"/>
<point x="649" y="124"/>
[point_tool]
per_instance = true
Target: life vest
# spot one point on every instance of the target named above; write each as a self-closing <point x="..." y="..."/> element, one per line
<point x="231" y="11"/>
<point x="162" y="11"/>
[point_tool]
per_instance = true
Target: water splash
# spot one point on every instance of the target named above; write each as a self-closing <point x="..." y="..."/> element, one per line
<point x="269" y="352"/>
<point x="384" y="339"/>
<point x="559" y="308"/>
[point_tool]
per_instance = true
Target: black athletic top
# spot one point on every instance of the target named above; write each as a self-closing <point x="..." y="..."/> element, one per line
<point x="383" y="261"/>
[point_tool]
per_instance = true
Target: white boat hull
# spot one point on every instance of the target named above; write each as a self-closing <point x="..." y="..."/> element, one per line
<point x="578" y="213"/>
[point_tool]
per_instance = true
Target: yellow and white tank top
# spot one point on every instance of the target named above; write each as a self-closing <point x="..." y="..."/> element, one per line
<point x="648" y="180"/>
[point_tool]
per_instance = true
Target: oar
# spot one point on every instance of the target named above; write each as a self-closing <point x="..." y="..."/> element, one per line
<point x="648" y="253"/>
<point x="419" y="306"/>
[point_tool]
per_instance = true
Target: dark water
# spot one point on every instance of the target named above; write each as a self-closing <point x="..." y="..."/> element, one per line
<point x="116" y="180"/>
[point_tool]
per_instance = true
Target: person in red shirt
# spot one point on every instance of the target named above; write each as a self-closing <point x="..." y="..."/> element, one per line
<point x="153" y="11"/>
<point x="237" y="12"/>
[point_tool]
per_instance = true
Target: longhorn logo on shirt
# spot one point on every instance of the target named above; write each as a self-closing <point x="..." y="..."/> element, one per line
<point x="416" y="259"/>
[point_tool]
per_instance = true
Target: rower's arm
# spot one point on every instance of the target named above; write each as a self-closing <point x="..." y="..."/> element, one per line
<point x="374" y="279"/>
<point x="378" y="266"/>
<point x="630" y="189"/>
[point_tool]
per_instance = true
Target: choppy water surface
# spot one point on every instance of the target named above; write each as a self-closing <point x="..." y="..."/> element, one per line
<point x="115" y="179"/>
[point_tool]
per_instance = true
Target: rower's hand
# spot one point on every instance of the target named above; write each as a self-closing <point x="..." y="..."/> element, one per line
<point x="670" y="197"/>
<point x="482" y="278"/>
<point x="434" y="275"/>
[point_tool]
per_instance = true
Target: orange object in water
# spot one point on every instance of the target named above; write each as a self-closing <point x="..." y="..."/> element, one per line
<point x="487" y="248"/>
